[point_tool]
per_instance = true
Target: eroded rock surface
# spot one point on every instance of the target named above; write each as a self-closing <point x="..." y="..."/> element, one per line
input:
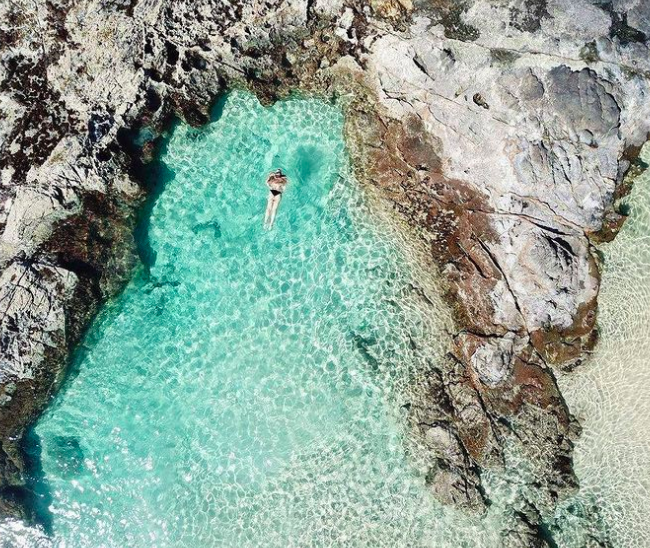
<point x="500" y="129"/>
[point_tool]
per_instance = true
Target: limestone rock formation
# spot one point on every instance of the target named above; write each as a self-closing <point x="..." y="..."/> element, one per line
<point x="500" y="129"/>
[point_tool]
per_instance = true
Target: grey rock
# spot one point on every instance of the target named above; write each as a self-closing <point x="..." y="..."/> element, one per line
<point x="492" y="361"/>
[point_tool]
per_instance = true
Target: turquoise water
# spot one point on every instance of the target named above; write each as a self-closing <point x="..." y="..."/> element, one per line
<point x="245" y="390"/>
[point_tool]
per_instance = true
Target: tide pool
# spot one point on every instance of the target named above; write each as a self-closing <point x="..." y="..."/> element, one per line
<point x="245" y="389"/>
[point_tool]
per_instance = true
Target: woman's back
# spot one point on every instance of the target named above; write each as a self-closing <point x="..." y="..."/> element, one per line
<point x="277" y="181"/>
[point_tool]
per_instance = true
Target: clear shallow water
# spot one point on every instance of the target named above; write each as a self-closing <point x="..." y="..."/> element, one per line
<point x="247" y="392"/>
<point x="610" y="394"/>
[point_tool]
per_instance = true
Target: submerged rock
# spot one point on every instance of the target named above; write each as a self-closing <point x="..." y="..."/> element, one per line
<point x="500" y="130"/>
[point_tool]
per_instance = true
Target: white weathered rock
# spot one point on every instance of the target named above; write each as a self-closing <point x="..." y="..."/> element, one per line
<point x="32" y="297"/>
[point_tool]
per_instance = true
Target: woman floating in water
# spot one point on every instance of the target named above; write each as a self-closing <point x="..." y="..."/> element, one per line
<point x="277" y="181"/>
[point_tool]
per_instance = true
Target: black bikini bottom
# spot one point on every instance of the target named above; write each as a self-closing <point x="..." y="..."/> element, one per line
<point x="275" y="192"/>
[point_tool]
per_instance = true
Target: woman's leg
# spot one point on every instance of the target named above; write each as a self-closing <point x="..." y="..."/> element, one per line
<point x="269" y="207"/>
<point x="274" y="208"/>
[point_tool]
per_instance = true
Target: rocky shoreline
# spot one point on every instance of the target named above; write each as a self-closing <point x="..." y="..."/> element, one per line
<point x="500" y="130"/>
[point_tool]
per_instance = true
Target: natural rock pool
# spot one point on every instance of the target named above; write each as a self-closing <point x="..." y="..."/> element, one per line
<point x="245" y="389"/>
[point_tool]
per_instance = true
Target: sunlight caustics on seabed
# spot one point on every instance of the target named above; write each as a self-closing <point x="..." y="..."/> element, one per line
<point x="247" y="392"/>
<point x="610" y="393"/>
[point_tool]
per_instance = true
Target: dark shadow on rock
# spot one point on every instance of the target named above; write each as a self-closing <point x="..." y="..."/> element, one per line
<point x="155" y="177"/>
<point x="74" y="365"/>
<point x="217" y="109"/>
<point x="36" y="495"/>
